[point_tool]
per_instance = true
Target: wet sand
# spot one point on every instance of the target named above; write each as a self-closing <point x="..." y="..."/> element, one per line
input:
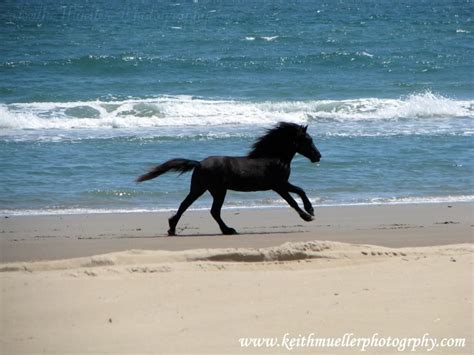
<point x="30" y="238"/>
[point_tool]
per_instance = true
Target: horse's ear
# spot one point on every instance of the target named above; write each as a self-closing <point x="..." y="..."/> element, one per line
<point x="305" y="128"/>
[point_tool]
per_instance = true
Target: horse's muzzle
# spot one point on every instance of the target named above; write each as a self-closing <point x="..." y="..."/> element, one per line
<point x="316" y="159"/>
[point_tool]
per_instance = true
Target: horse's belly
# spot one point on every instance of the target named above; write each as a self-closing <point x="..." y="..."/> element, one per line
<point x="248" y="184"/>
<point x="248" y="188"/>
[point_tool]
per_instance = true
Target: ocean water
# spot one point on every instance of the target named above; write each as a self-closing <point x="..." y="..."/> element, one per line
<point x="93" y="93"/>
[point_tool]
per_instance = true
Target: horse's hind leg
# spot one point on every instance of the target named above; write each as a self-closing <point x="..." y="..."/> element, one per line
<point x="196" y="191"/>
<point x="219" y="196"/>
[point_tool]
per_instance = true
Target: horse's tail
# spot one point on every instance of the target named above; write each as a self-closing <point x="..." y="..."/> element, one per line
<point x="180" y="165"/>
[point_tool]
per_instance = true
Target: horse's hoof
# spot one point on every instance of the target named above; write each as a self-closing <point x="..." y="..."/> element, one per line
<point x="310" y="210"/>
<point x="229" y="231"/>
<point x="171" y="232"/>
<point x="306" y="217"/>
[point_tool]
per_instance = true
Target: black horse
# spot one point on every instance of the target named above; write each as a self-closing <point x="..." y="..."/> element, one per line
<point x="266" y="167"/>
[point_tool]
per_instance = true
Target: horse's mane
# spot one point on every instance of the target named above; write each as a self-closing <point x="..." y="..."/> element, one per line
<point x="276" y="142"/>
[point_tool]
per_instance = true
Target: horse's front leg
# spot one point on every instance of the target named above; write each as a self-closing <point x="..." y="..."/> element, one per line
<point x="300" y="192"/>
<point x="291" y="201"/>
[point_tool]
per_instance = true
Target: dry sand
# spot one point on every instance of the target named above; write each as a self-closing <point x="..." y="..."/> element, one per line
<point x="201" y="293"/>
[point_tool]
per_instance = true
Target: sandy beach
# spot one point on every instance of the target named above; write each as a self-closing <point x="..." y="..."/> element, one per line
<point x="114" y="283"/>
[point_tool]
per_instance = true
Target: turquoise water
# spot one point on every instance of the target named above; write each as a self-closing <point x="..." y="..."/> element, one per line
<point x="94" y="93"/>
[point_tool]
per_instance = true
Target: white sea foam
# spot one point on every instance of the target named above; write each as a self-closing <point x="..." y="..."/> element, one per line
<point x="365" y="54"/>
<point x="179" y="111"/>
<point x="269" y="38"/>
<point x="422" y="199"/>
<point x="277" y="203"/>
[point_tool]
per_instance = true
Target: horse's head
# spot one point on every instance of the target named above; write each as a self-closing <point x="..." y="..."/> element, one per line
<point x="305" y="145"/>
<point x="283" y="141"/>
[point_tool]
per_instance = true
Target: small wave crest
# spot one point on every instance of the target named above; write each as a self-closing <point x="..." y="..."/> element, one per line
<point x="190" y="111"/>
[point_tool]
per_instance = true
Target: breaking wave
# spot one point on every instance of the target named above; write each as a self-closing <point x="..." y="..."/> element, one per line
<point x="179" y="111"/>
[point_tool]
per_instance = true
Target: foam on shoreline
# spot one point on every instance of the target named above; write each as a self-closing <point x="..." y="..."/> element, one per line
<point x="278" y="204"/>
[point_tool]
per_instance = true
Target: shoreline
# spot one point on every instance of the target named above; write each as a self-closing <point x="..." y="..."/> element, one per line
<point x="84" y="211"/>
<point x="50" y="237"/>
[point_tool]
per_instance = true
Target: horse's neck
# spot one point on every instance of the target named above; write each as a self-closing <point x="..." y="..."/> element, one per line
<point x="284" y="155"/>
<point x="286" y="158"/>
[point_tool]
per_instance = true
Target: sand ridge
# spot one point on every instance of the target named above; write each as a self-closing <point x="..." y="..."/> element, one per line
<point x="222" y="258"/>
